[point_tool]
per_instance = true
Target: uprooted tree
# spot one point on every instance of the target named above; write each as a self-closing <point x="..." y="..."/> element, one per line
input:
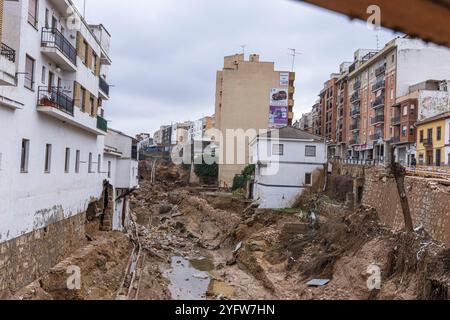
<point x="399" y="173"/>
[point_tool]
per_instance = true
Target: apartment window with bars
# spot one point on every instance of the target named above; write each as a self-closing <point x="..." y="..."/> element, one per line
<point x="48" y="158"/>
<point x="310" y="151"/>
<point x="33" y="12"/>
<point x="278" y="149"/>
<point x="29" y="72"/>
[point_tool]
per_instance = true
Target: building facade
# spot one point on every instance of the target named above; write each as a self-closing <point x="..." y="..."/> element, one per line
<point x="287" y="162"/>
<point x="53" y="71"/>
<point x="250" y="95"/>
<point x="433" y="140"/>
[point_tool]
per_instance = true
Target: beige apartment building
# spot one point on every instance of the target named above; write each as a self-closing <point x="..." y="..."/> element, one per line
<point x="245" y="90"/>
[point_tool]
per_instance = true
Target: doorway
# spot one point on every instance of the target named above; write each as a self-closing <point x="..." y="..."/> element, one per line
<point x="438" y="157"/>
<point x="429" y="158"/>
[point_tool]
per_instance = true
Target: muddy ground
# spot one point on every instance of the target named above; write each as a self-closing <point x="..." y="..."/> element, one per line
<point x="199" y="244"/>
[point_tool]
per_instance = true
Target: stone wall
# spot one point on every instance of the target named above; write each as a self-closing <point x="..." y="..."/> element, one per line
<point x="429" y="201"/>
<point x="27" y="258"/>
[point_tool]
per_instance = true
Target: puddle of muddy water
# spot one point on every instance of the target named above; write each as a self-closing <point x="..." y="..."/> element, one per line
<point x="189" y="279"/>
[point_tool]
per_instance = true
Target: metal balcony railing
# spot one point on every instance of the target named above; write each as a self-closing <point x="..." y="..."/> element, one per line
<point x="357" y="85"/>
<point x="377" y="136"/>
<point x="104" y="86"/>
<point x="380" y="70"/>
<point x="395" y="120"/>
<point x="8" y="53"/>
<point x="355" y="112"/>
<point x="53" y="38"/>
<point x="379" y="102"/>
<point x="378" y="119"/>
<point x="379" y="85"/>
<point x="54" y="97"/>
<point x="353" y="142"/>
<point x="395" y="139"/>
<point x="427" y="142"/>
<point x="354" y="126"/>
<point x="355" y="97"/>
<point x="102" y="124"/>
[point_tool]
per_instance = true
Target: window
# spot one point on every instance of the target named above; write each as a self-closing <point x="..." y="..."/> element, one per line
<point x="421" y="135"/>
<point x="91" y="106"/>
<point x="405" y="110"/>
<point x="77" y="161"/>
<point x="439" y="133"/>
<point x="90" y="163"/>
<point x="83" y="100"/>
<point x="44" y="72"/>
<point x="94" y="62"/>
<point x="109" y="169"/>
<point x="86" y="51"/>
<point x="29" y="72"/>
<point x="411" y="130"/>
<point x="404" y="131"/>
<point x="67" y="161"/>
<point x="47" y="15"/>
<point x="277" y="149"/>
<point x="48" y="158"/>
<point x="308" y="179"/>
<point x="310" y="151"/>
<point x="99" y="163"/>
<point x="25" y="153"/>
<point x="32" y="12"/>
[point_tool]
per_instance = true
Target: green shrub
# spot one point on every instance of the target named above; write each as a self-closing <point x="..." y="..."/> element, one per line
<point x="240" y="181"/>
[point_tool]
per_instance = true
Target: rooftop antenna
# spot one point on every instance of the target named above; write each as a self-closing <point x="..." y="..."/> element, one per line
<point x="294" y="53"/>
<point x="84" y="9"/>
<point x="243" y="48"/>
<point x="377" y="36"/>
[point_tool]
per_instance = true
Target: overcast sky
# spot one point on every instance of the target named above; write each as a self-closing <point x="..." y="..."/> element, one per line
<point x="166" y="52"/>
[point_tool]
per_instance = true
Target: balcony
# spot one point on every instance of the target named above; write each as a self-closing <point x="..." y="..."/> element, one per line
<point x="355" y="112"/>
<point x="7" y="66"/>
<point x="102" y="124"/>
<point x="395" y="121"/>
<point x="395" y="139"/>
<point x="355" y="97"/>
<point x="377" y="136"/>
<point x="380" y="70"/>
<point x="354" y="141"/>
<point x="357" y="85"/>
<point x="379" y="85"/>
<point x="428" y="143"/>
<point x="103" y="88"/>
<point x="379" y="102"/>
<point x="53" y="102"/>
<point x="377" y="120"/>
<point x="354" y="127"/>
<point x="59" y="49"/>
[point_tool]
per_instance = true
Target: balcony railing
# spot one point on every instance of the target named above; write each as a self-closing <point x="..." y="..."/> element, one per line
<point x="104" y="86"/>
<point x="380" y="70"/>
<point x="395" y="139"/>
<point x="379" y="102"/>
<point x="377" y="136"/>
<point x="354" y="126"/>
<point x="355" y="112"/>
<point x="353" y="142"/>
<point x="54" y="97"/>
<point x="357" y="85"/>
<point x="53" y="38"/>
<point x="355" y="97"/>
<point x="8" y="53"/>
<point x="379" y="85"/>
<point x="427" y="142"/>
<point x="102" y="124"/>
<point x="378" y="119"/>
<point x="395" y="120"/>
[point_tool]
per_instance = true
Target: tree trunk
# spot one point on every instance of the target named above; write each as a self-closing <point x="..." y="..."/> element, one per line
<point x="399" y="173"/>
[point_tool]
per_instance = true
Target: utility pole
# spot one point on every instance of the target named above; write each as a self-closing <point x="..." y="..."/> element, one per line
<point x="84" y="9"/>
<point x="294" y="53"/>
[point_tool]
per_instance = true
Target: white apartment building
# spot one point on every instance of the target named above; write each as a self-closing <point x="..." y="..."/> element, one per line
<point x="53" y="71"/>
<point x="287" y="162"/>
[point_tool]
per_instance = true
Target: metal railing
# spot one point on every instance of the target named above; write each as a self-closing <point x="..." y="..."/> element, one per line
<point x="353" y="142"/>
<point x="355" y="112"/>
<point x="104" y="86"/>
<point x="56" y="98"/>
<point x="355" y="97"/>
<point x="378" y="119"/>
<point x="379" y="85"/>
<point x="53" y="38"/>
<point x="380" y="70"/>
<point x="377" y="136"/>
<point x="379" y="102"/>
<point x="354" y="126"/>
<point x="102" y="124"/>
<point x="395" y="120"/>
<point x="395" y="139"/>
<point x="8" y="53"/>
<point x="427" y="142"/>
